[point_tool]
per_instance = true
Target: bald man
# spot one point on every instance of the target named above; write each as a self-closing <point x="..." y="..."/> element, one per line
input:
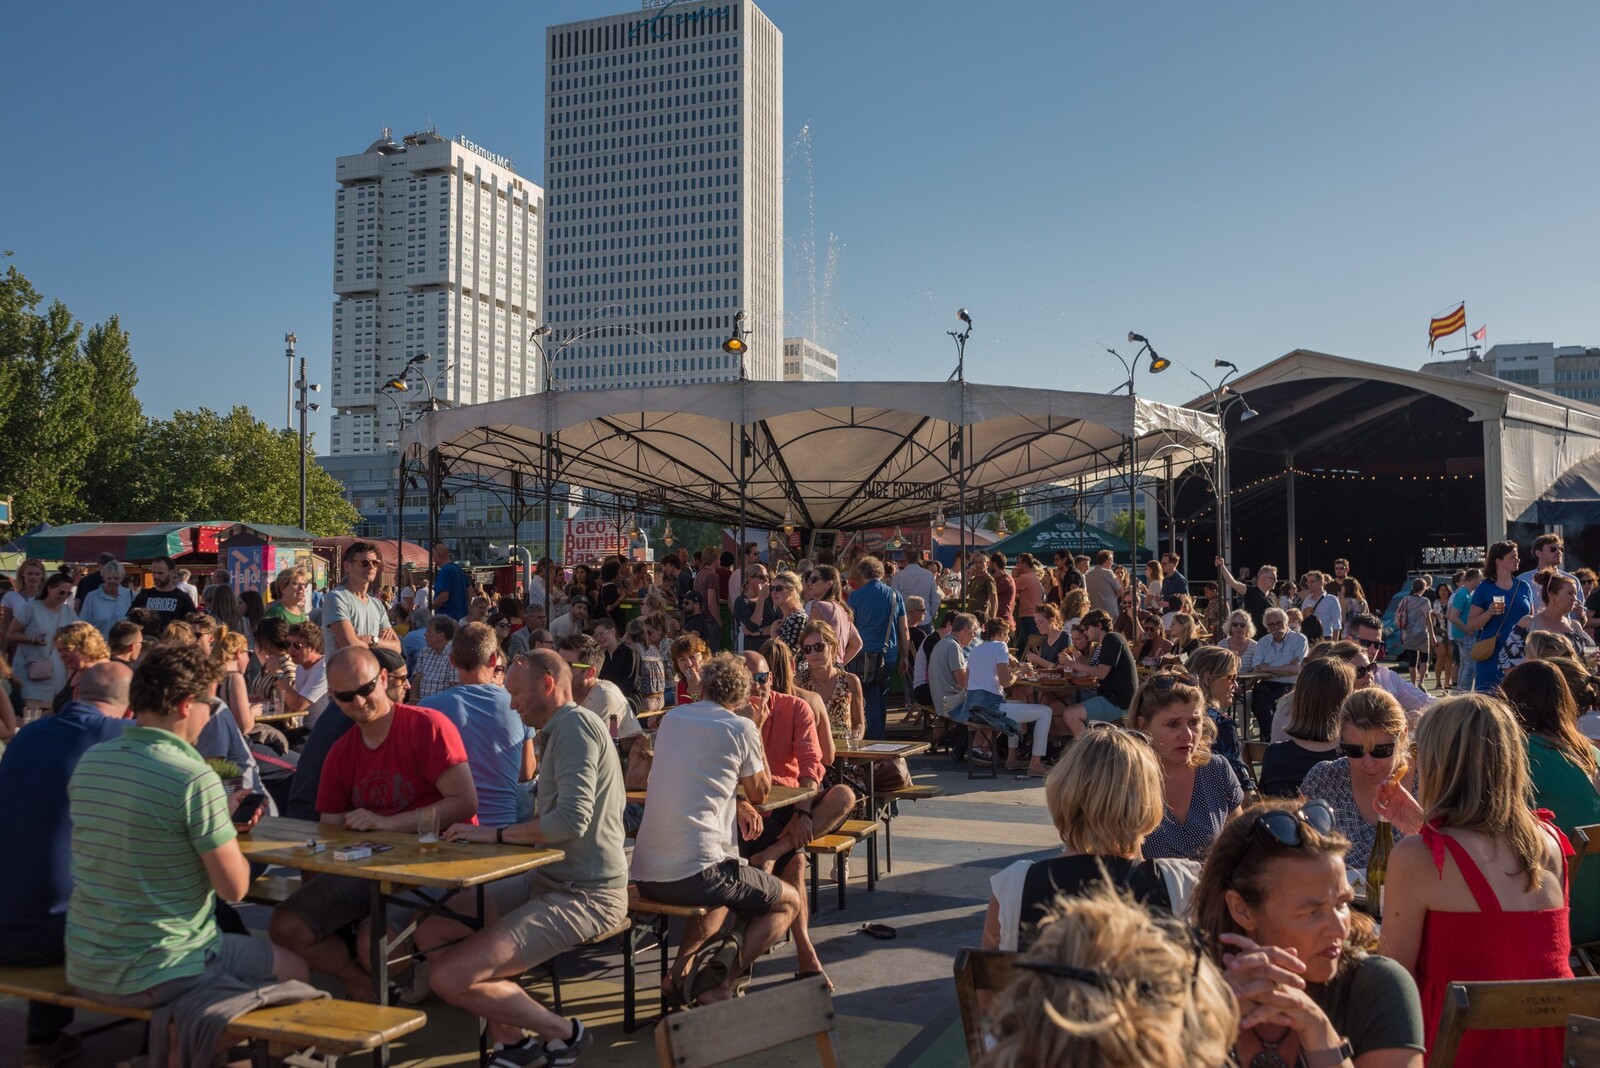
<point x="398" y="760"/>
<point x="538" y="915"/>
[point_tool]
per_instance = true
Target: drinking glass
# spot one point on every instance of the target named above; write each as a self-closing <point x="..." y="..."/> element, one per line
<point x="428" y="828"/>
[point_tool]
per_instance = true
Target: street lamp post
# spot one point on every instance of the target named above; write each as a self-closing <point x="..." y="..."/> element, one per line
<point x="1157" y="365"/>
<point x="738" y="346"/>
<point x="303" y="405"/>
<point x="1223" y="400"/>
<point x="958" y="450"/>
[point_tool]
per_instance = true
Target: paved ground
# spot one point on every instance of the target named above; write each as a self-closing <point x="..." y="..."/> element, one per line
<point x="895" y="998"/>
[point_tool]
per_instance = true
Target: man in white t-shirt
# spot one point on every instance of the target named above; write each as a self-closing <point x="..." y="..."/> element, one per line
<point x="305" y="690"/>
<point x="989" y="675"/>
<point x="685" y="853"/>
<point x="598" y="695"/>
<point x="574" y="621"/>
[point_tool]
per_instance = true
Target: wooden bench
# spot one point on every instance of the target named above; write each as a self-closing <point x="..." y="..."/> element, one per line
<point x="623" y="933"/>
<point x="867" y="831"/>
<point x="329" y="1026"/>
<point x="913" y="792"/>
<point x="651" y="919"/>
<point x="838" y="846"/>
<point x="272" y="889"/>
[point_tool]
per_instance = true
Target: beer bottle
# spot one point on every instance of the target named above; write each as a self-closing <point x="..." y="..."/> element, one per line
<point x="1378" y="868"/>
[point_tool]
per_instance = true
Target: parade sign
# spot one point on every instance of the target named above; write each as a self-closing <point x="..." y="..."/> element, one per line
<point x="1445" y="555"/>
<point x="591" y="539"/>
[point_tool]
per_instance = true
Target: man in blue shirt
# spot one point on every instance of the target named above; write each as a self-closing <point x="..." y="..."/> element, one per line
<point x="499" y="747"/>
<point x="449" y="584"/>
<point x="880" y="618"/>
<point x="36" y="881"/>
<point x="1173" y="582"/>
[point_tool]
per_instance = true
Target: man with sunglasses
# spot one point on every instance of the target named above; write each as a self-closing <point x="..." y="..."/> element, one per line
<point x="1366" y="630"/>
<point x="398" y="760"/>
<point x="351" y="615"/>
<point x="126" y="641"/>
<point x="304" y="688"/>
<point x="329" y="729"/>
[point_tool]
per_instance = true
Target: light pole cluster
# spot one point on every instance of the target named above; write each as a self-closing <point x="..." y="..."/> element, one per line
<point x="303" y="405"/>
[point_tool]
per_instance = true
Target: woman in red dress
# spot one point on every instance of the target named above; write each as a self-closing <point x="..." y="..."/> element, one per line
<point x="1481" y="893"/>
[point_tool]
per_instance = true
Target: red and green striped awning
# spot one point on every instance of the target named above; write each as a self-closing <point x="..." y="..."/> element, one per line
<point x="135" y="542"/>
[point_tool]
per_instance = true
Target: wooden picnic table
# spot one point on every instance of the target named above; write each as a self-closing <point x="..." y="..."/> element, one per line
<point x="777" y="797"/>
<point x="280" y="717"/>
<point x="868" y="752"/>
<point x="451" y="867"/>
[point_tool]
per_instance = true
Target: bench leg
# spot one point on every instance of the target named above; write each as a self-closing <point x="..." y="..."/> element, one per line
<point x="872" y="862"/>
<point x="813" y="865"/>
<point x="841" y="874"/>
<point x="888" y="845"/>
<point x="555" y="985"/>
<point x="629" y="981"/>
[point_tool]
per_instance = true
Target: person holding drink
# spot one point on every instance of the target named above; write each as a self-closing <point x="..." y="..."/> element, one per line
<point x="1498" y="602"/>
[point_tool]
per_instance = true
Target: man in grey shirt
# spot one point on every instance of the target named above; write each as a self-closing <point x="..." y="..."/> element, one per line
<point x="536" y="916"/>
<point x="947" y="667"/>
<point x="351" y="615"/>
<point x="1102" y="585"/>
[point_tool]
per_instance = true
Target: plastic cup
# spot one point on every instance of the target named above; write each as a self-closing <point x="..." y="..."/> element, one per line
<point x="428" y="828"/>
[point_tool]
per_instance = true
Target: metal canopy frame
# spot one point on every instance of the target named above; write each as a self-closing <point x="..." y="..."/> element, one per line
<point x="831" y="455"/>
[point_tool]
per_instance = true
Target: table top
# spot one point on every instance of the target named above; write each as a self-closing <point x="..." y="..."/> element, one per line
<point x="880" y="750"/>
<point x="1059" y="682"/>
<point x="778" y="797"/>
<point x="452" y="866"/>
<point x="279" y="717"/>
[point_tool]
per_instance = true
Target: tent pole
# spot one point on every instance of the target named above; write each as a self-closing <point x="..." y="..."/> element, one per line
<point x="1288" y="481"/>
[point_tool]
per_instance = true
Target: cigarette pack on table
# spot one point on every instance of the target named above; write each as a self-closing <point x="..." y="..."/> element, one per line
<point x="311" y="845"/>
<point x="353" y="853"/>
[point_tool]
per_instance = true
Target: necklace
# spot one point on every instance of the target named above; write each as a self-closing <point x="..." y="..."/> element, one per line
<point x="1268" y="1056"/>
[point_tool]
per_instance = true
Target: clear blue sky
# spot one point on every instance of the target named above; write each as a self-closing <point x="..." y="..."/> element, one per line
<point x="1234" y="180"/>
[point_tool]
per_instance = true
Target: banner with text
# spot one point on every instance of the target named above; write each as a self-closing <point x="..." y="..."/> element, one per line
<point x="590" y="539"/>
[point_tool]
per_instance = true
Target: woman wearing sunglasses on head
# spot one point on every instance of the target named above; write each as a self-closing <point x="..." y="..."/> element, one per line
<point x="1199" y="790"/>
<point x="1273" y="907"/>
<point x="1358" y="785"/>
<point x="1480" y="893"/>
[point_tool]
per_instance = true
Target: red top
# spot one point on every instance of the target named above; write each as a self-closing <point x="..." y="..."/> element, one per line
<point x="400" y="774"/>
<point x="789" y="737"/>
<point x="1492" y="945"/>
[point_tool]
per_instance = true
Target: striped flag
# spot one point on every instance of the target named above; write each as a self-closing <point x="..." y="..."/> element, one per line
<point x="1446" y="325"/>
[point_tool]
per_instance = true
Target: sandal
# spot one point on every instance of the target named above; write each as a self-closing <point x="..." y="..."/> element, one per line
<point x="878" y="930"/>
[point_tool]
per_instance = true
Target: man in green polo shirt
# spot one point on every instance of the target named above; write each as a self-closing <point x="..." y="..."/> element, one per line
<point x="152" y="843"/>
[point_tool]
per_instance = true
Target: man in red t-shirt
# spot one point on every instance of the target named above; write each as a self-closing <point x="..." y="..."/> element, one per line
<point x="794" y="758"/>
<point x="399" y="760"/>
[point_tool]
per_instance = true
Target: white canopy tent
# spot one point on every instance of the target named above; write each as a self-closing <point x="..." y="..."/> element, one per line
<point x="818" y="454"/>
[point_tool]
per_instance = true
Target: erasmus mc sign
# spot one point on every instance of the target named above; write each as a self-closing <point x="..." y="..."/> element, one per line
<point x="656" y="25"/>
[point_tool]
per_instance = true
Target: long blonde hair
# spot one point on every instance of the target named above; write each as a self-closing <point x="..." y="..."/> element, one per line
<point x="1472" y="764"/>
<point x="1138" y="997"/>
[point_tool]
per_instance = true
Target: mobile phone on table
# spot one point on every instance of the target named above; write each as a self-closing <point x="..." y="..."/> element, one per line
<point x="247" y="808"/>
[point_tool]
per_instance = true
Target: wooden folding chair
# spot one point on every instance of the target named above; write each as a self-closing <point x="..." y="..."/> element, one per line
<point x="1254" y="753"/>
<point x="978" y="971"/>
<point x="1583" y="1041"/>
<point x="728" y="1030"/>
<point x="1034" y="643"/>
<point x="1509" y="1006"/>
<point x="1585" y="841"/>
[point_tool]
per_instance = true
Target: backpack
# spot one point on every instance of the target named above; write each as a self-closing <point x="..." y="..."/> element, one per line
<point x="652" y="674"/>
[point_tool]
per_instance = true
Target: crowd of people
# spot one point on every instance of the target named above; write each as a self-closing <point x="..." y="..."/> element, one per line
<point x="520" y="719"/>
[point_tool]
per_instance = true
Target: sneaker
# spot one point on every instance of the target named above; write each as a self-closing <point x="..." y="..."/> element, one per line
<point x="525" y="1054"/>
<point x="50" y="1054"/>
<point x="566" y="1054"/>
<point x="416" y="989"/>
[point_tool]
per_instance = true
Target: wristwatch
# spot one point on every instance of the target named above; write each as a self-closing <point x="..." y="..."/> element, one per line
<point x="1331" y="1058"/>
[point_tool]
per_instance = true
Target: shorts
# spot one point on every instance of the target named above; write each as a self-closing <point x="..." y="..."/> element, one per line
<point x="329" y="904"/>
<point x="241" y="957"/>
<point x="1099" y="709"/>
<point x="747" y="892"/>
<point x="545" y="917"/>
<point x="772" y="828"/>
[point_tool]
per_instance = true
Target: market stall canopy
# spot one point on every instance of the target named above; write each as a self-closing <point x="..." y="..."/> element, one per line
<point x="271" y="532"/>
<point x="828" y="455"/>
<point x="136" y="542"/>
<point x="332" y="550"/>
<point x="1572" y="502"/>
<point x="1061" y="531"/>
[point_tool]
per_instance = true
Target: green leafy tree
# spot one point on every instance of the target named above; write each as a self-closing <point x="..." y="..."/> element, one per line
<point x="203" y="465"/>
<point x="118" y="416"/>
<point x="1119" y="527"/>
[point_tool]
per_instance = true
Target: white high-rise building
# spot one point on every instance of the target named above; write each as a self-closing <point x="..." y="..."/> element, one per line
<point x="806" y="361"/>
<point x="664" y="164"/>
<point x="436" y="251"/>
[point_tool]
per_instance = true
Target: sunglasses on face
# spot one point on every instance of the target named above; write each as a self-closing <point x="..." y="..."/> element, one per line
<point x="1363" y="670"/>
<point x="1381" y="751"/>
<point x="1236" y="626"/>
<point x="1284" y="827"/>
<point x="346" y="696"/>
<point x="398" y="678"/>
<point x="761" y="678"/>
<point x="814" y="647"/>
<point x="1370" y="643"/>
<point x="365" y="563"/>
<point x="298" y="645"/>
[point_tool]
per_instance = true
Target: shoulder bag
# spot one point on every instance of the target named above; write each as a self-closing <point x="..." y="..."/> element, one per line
<point x="1484" y="648"/>
<point x="874" y="668"/>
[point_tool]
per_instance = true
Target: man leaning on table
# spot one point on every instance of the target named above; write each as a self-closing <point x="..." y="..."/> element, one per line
<point x="536" y="916"/>
<point x="685" y="853"/>
<point x="399" y="760"/>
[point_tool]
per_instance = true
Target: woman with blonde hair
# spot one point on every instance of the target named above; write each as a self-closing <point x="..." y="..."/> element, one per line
<point x="1273" y="909"/>
<point x="824" y="592"/>
<point x="1111" y="985"/>
<point x="1545" y="645"/>
<point x="1104" y="797"/>
<point x="26" y="586"/>
<point x="821" y="673"/>
<point x="1480" y="893"/>
<point x="781" y="663"/>
<point x="79" y="645"/>
<point x="1182" y="634"/>
<point x="1240" y="637"/>
<point x="233" y="653"/>
<point x="1310" y="732"/>
<point x="291" y="596"/>
<point x="1199" y="789"/>
<point x="1075" y="603"/>
<point x="1372" y="747"/>
<point x="108" y="602"/>
<point x="786" y="592"/>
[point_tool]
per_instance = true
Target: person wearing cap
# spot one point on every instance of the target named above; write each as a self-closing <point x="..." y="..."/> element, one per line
<point x="575" y="621"/>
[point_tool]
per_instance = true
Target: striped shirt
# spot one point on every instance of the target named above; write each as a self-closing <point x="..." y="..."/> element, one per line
<point x="145" y="808"/>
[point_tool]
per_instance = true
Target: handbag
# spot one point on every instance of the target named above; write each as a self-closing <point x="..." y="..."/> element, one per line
<point x="641" y="755"/>
<point x="41" y="670"/>
<point x="893" y="774"/>
<point x="1484" y="648"/>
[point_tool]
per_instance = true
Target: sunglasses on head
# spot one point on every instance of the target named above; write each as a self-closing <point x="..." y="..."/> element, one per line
<point x="363" y="690"/>
<point x="1283" y="827"/>
<point x="1107" y="725"/>
<point x="1381" y="751"/>
<point x="1163" y="683"/>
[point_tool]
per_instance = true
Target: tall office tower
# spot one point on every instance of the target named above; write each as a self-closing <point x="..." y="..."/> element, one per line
<point x="436" y="251"/>
<point x="664" y="163"/>
<point x="806" y="361"/>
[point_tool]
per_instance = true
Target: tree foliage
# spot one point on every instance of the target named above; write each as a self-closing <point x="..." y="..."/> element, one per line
<point x="75" y="444"/>
<point x="1016" y="518"/>
<point x="1119" y="527"/>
